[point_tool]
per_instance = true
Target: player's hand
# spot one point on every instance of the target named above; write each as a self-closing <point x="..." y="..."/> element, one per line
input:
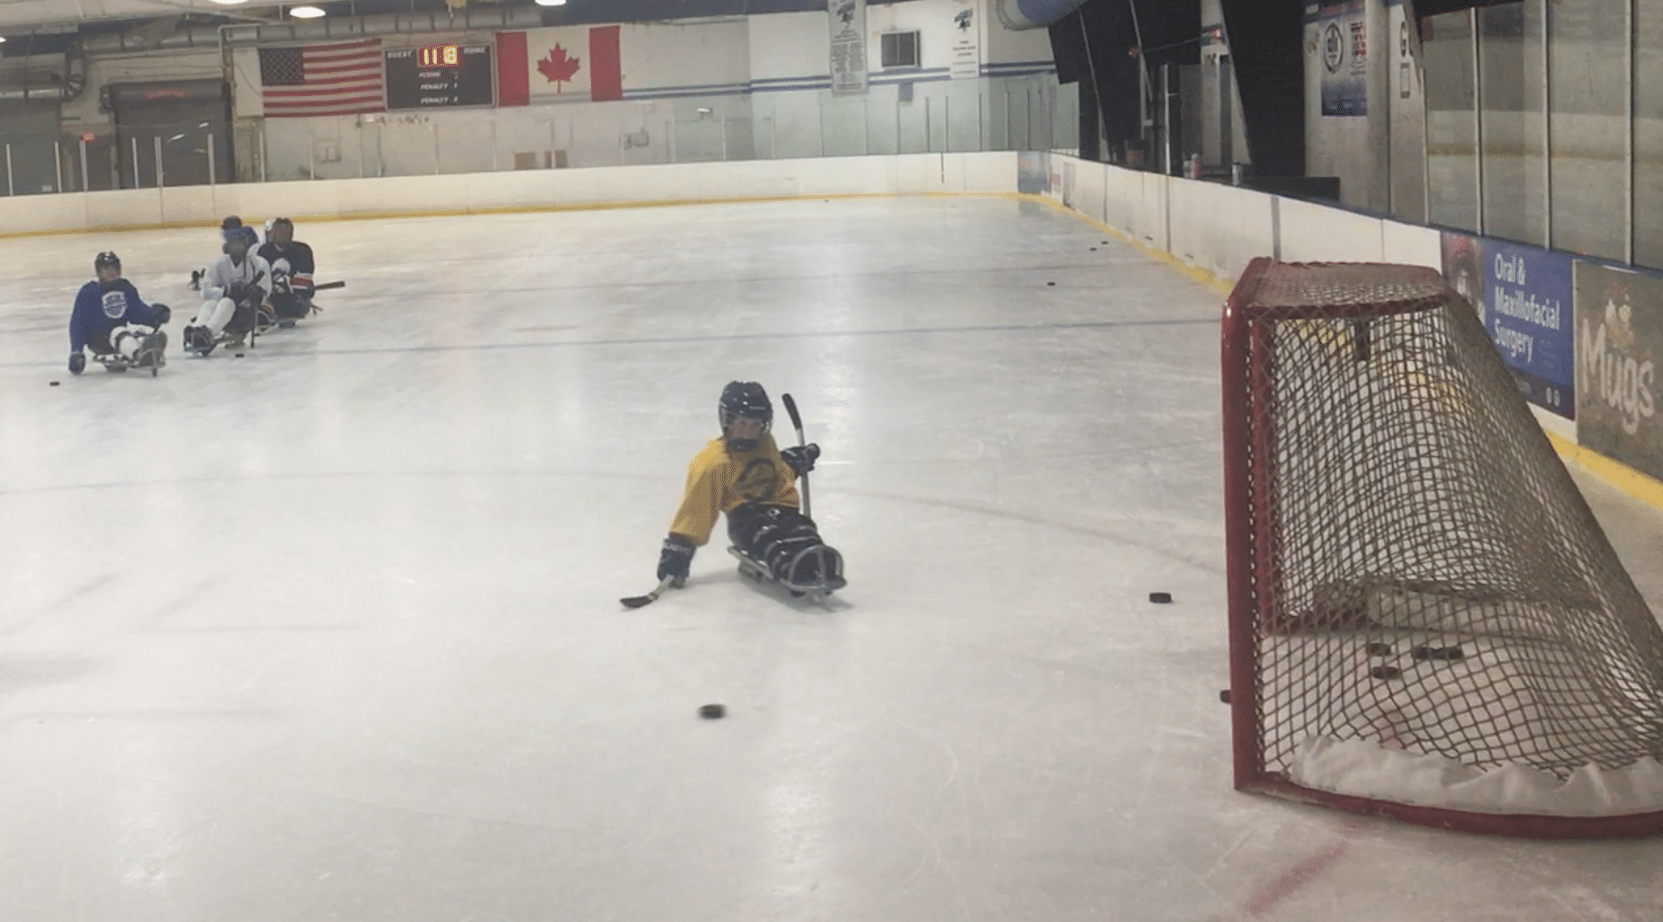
<point x="801" y="458"/>
<point x="674" y="559"/>
<point x="237" y="291"/>
<point x="77" y="363"/>
<point x="163" y="313"/>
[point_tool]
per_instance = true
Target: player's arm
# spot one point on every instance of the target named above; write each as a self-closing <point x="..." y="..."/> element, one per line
<point x="301" y="268"/>
<point x="262" y="276"/>
<point x="217" y="283"/>
<point x="82" y="317"/>
<point x="694" y="520"/>
<point x="150" y="315"/>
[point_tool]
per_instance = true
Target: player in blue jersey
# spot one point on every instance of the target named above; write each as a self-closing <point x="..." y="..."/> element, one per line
<point x="113" y="322"/>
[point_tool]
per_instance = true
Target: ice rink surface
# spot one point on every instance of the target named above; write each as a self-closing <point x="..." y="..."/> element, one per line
<point x="331" y="631"/>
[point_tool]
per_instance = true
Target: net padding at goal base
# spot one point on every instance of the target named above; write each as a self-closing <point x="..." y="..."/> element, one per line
<point x="1426" y="620"/>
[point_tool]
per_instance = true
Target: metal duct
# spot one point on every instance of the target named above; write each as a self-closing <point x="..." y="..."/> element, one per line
<point x="1034" y="14"/>
<point x="325" y="29"/>
<point x="70" y="88"/>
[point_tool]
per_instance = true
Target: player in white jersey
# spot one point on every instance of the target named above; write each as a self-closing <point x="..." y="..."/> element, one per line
<point x="234" y="291"/>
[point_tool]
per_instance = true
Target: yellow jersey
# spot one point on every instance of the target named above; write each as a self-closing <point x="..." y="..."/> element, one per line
<point x="719" y="480"/>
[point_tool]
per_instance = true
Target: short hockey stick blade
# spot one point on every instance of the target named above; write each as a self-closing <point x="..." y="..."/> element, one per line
<point x="328" y="285"/>
<point x="791" y="408"/>
<point x="636" y="601"/>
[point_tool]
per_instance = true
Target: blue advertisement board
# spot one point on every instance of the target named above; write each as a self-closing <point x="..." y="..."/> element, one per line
<point x="1523" y="296"/>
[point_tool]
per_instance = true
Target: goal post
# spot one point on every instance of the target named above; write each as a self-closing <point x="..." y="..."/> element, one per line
<point x="1426" y="621"/>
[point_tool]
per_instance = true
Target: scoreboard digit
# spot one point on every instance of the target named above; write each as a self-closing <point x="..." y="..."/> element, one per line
<point x="440" y="76"/>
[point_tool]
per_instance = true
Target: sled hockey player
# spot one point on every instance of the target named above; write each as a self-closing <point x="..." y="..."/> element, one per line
<point x="743" y="474"/>
<point x="234" y="292"/>
<point x="291" y="271"/>
<point x="114" y="322"/>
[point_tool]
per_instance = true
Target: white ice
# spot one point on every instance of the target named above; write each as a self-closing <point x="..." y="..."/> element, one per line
<point x="331" y="631"/>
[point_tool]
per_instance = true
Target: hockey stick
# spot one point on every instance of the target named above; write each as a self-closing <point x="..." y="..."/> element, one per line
<point x="328" y="285"/>
<point x="797" y="421"/>
<point x="636" y="601"/>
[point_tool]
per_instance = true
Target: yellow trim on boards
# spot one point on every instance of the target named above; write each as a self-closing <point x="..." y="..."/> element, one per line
<point x="1613" y="473"/>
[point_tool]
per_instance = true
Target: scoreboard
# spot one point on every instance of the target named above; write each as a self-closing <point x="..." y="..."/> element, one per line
<point x="440" y="76"/>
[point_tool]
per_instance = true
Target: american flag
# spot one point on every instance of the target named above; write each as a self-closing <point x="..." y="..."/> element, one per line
<point x="341" y="79"/>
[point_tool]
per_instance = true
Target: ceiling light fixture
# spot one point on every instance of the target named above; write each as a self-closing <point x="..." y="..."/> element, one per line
<point x="305" y="12"/>
<point x="229" y="2"/>
<point x="551" y="2"/>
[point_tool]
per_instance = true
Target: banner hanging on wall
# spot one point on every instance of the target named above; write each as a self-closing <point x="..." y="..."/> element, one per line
<point x="1619" y="328"/>
<point x="848" y="46"/>
<point x="1523" y="296"/>
<point x="1342" y="49"/>
<point x="967" y="42"/>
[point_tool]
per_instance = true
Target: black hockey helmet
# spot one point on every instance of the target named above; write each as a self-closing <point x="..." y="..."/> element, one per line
<point x="230" y="222"/>
<point x="106" y="258"/>
<point x="744" y="400"/>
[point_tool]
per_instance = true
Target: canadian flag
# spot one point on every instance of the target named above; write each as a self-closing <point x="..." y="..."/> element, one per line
<point x="559" y="65"/>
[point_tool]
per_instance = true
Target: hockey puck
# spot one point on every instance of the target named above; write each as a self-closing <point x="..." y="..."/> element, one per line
<point x="713" y="712"/>
<point x="52" y="384"/>
<point x="1094" y="249"/>
<point x="1053" y="284"/>
<point x="1224" y="695"/>
<point x="1379" y="649"/>
<point x="239" y="355"/>
<point x="1385" y="672"/>
<point x="1160" y="598"/>
<point x="1449" y="654"/>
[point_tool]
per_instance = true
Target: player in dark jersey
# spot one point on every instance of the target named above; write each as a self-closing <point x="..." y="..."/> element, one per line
<point x="111" y="319"/>
<point x="291" y="271"/>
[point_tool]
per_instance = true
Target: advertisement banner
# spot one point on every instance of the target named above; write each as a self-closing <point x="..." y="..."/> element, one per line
<point x="848" y="47"/>
<point x="967" y="45"/>
<point x="1619" y="329"/>
<point x="1343" y="50"/>
<point x="1523" y="297"/>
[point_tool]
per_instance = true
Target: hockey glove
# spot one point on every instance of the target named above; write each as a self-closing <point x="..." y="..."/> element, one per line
<point x="674" y="559"/>
<point x="162" y="312"/>
<point x="801" y="458"/>
<point x="77" y="363"/>
<point x="237" y="292"/>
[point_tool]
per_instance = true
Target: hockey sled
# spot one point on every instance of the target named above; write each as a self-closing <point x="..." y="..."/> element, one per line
<point x="115" y="362"/>
<point x="829" y="567"/>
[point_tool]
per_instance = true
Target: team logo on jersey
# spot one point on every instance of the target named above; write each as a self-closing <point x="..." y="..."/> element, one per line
<point x="115" y="304"/>
<point x="758" y="481"/>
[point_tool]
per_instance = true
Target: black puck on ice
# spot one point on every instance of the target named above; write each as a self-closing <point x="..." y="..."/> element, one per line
<point x="713" y="712"/>
<point x="1224" y="695"/>
<point x="1051" y="283"/>
<point x="1385" y="672"/>
<point x="1379" y="649"/>
<point x="52" y="384"/>
<point x="239" y="355"/>
<point x="1160" y="598"/>
<point x="1094" y="249"/>
<point x="1443" y="653"/>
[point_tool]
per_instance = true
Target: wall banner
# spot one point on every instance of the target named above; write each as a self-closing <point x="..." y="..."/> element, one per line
<point x="1343" y="52"/>
<point x="1619" y="330"/>
<point x="848" y="46"/>
<point x="967" y="43"/>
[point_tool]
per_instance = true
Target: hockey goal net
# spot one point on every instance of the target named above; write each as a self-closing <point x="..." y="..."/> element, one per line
<point x="1426" y="621"/>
